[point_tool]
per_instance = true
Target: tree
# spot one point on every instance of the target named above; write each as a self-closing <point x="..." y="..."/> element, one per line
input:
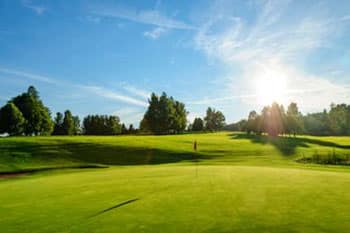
<point x="273" y="120"/>
<point x="339" y="119"/>
<point x="131" y="129"/>
<point x="198" y="124"/>
<point x="11" y="120"/>
<point x="58" y="122"/>
<point x="317" y="123"/>
<point x="214" y="120"/>
<point x="124" y="130"/>
<point x="294" y="119"/>
<point x="77" y="127"/>
<point x="164" y="115"/>
<point x="68" y="123"/>
<point x="101" y="125"/>
<point x="38" y="119"/>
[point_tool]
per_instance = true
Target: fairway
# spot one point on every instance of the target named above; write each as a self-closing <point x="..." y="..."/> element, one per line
<point x="159" y="184"/>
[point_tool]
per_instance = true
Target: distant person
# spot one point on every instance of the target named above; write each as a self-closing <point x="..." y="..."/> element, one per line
<point x="195" y="145"/>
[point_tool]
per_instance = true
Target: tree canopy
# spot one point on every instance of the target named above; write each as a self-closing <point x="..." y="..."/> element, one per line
<point x="11" y="120"/>
<point x="101" y="125"/>
<point x="36" y="114"/>
<point x="214" y="120"/>
<point x="198" y="124"/>
<point x="274" y="121"/>
<point x="164" y="115"/>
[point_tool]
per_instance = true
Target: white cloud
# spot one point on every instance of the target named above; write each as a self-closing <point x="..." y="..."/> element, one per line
<point x="97" y="90"/>
<point x="271" y="45"/>
<point x="136" y="91"/>
<point x="155" y="33"/>
<point x="151" y="17"/>
<point x="36" y="8"/>
<point x="106" y="93"/>
<point x="36" y="77"/>
<point x="129" y="115"/>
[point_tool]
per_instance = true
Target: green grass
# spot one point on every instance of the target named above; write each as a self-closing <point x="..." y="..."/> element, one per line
<point x="234" y="183"/>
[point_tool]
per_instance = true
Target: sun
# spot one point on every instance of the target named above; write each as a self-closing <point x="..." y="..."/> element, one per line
<point x="271" y="87"/>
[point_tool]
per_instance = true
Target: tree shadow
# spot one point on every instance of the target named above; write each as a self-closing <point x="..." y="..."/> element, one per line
<point x="287" y="145"/>
<point x="96" y="153"/>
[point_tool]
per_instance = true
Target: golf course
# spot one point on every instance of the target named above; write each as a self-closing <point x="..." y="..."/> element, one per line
<point x="234" y="182"/>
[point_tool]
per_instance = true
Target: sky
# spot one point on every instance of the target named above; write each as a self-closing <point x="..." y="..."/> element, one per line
<point x="106" y="57"/>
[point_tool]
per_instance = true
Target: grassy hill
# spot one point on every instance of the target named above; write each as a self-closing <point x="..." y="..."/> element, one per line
<point x="234" y="183"/>
<point x="218" y="148"/>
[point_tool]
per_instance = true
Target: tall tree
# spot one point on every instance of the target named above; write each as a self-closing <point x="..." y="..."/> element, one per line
<point x="198" y="124"/>
<point x="214" y="120"/>
<point x="124" y="130"/>
<point x="77" y="127"/>
<point x="294" y="120"/>
<point x="58" y="121"/>
<point x="38" y="119"/>
<point x="131" y="129"/>
<point x="11" y="120"/>
<point x="68" y="123"/>
<point x="273" y="120"/>
<point x="339" y="119"/>
<point x="164" y="115"/>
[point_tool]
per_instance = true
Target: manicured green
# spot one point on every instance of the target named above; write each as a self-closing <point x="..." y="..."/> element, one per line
<point x="233" y="183"/>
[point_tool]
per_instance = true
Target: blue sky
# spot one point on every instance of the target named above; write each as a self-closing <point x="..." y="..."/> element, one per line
<point x="106" y="57"/>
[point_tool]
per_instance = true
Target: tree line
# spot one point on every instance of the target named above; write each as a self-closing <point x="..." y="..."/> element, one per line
<point x="274" y="120"/>
<point x="26" y="114"/>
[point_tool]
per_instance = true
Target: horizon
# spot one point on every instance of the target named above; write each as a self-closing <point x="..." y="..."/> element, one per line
<point x="235" y="56"/>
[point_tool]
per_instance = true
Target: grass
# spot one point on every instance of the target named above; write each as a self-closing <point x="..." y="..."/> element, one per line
<point x="234" y="183"/>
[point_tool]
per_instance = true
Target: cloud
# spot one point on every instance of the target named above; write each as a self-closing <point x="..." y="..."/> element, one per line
<point x="136" y="91"/>
<point x="345" y="18"/>
<point x="36" y="77"/>
<point x="272" y="44"/>
<point x="155" y="33"/>
<point x="151" y="17"/>
<point x="109" y="94"/>
<point x="129" y="115"/>
<point x="97" y="90"/>
<point x="36" y="8"/>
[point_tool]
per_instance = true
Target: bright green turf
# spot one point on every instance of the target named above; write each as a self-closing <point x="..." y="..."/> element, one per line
<point x="233" y="184"/>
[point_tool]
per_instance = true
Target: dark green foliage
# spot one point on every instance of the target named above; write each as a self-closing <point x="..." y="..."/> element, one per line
<point x="198" y="124"/>
<point x="124" y="130"/>
<point x="317" y="123"/>
<point x="339" y="119"/>
<point x="11" y="120"/>
<point x="253" y="123"/>
<point x="164" y="115"/>
<point x="131" y="129"/>
<point x="330" y="157"/>
<point x="58" y="128"/>
<point x="214" y="120"/>
<point x="294" y="120"/>
<point x="77" y="127"/>
<point x="67" y="124"/>
<point x="38" y="120"/>
<point x="101" y="125"/>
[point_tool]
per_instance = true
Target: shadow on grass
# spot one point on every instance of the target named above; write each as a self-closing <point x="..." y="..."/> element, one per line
<point x="287" y="145"/>
<point x="97" y="153"/>
<point x="115" y="207"/>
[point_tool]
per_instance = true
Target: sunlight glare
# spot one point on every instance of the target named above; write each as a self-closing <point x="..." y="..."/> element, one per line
<point x="271" y="87"/>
